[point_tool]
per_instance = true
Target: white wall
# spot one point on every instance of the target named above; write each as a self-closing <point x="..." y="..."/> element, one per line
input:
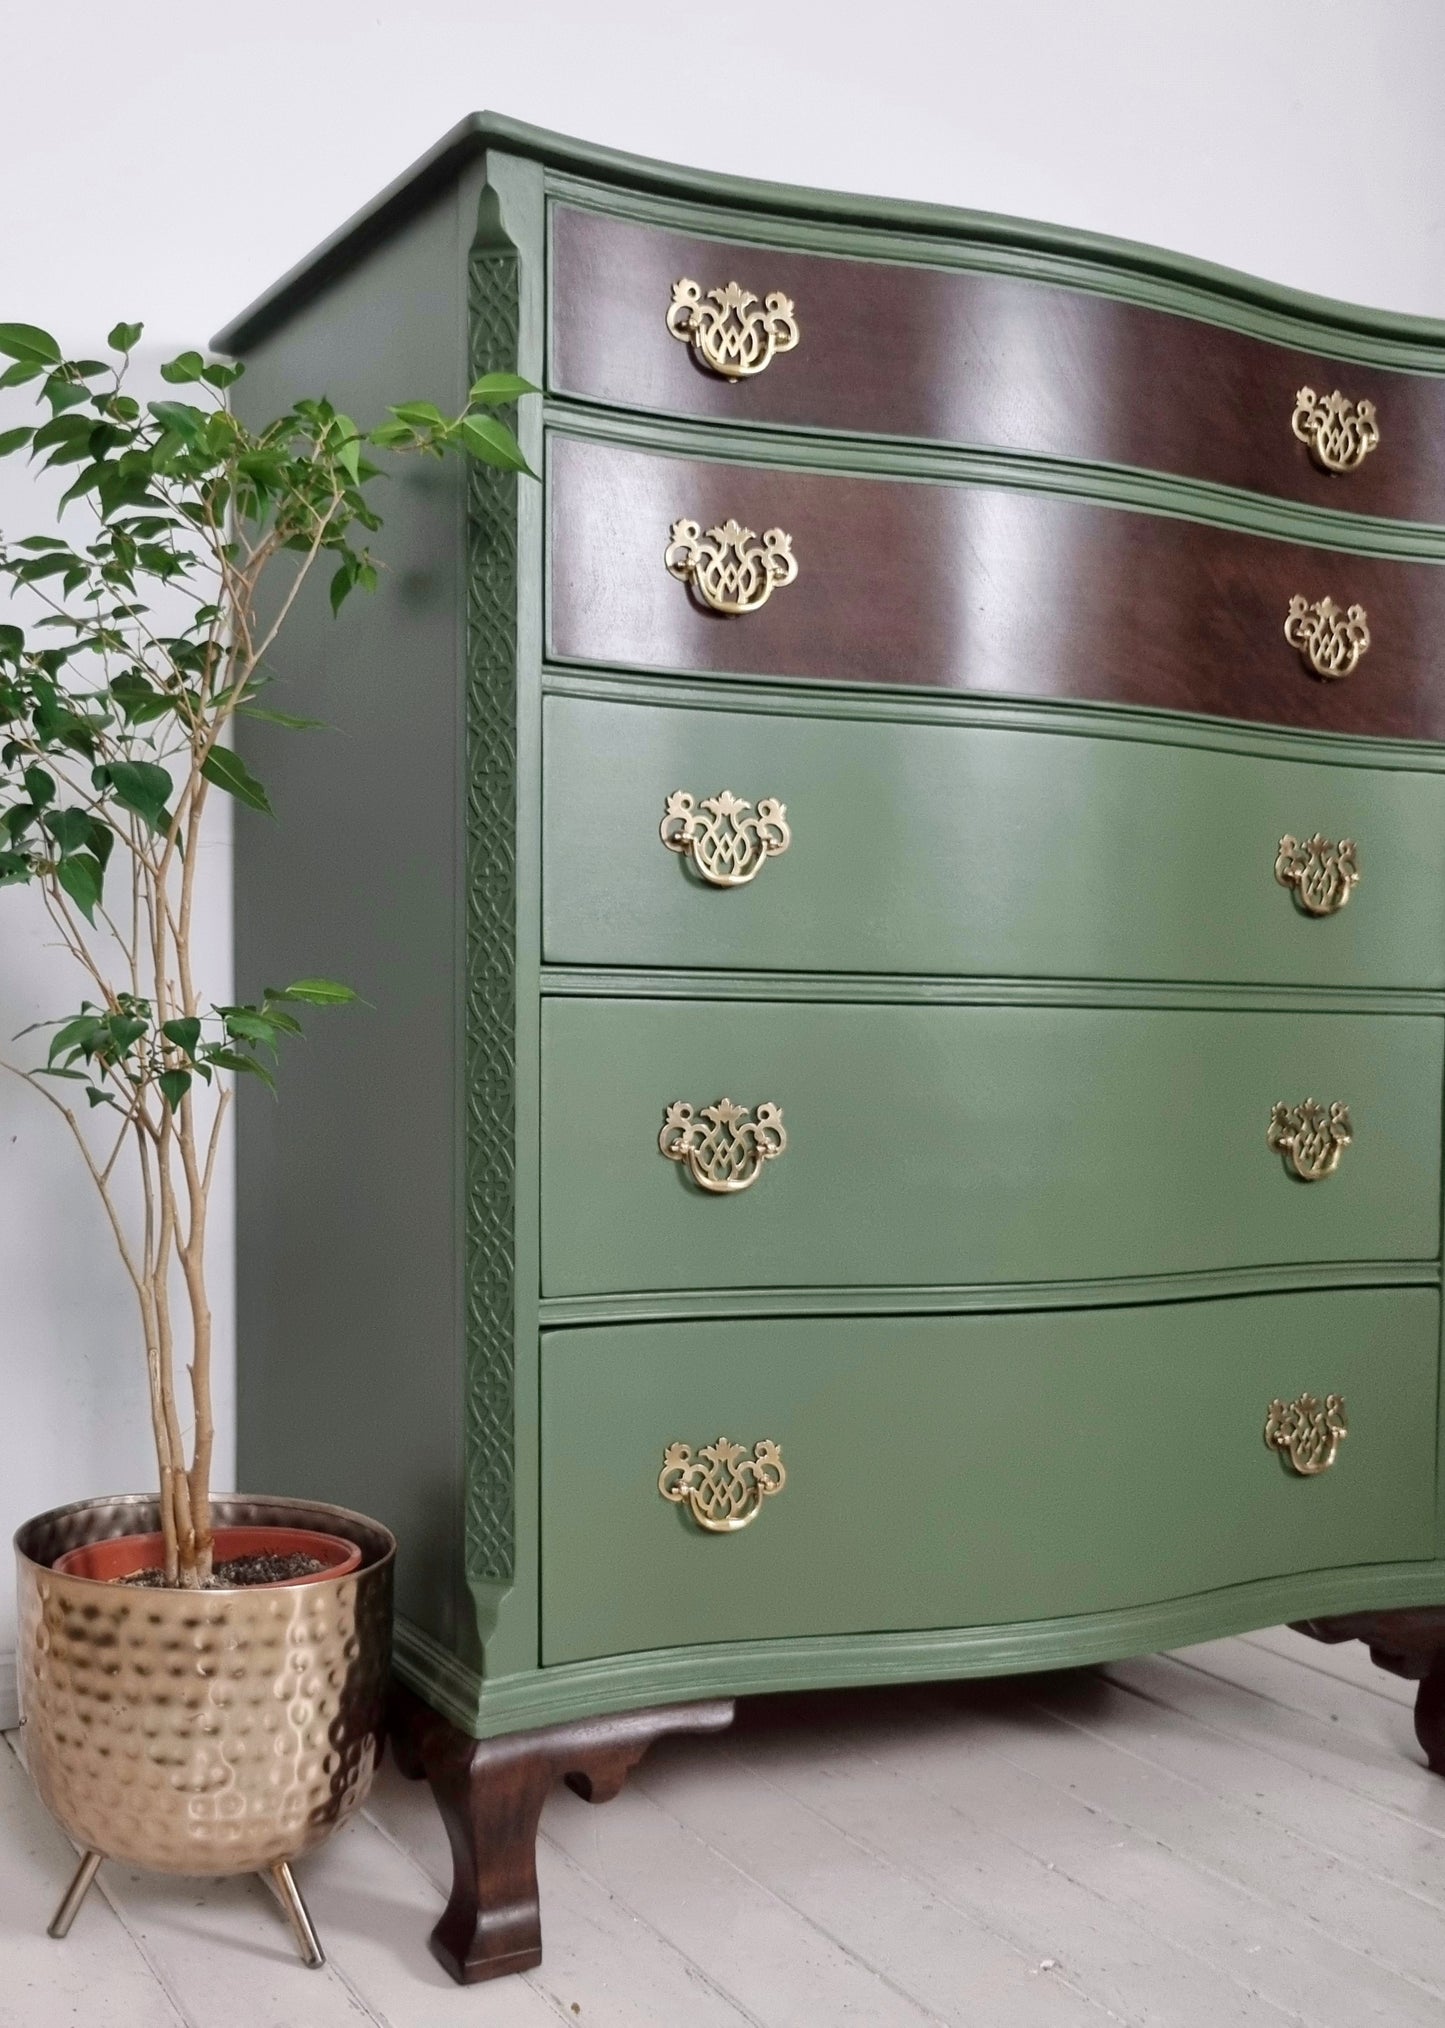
<point x="167" y="161"/>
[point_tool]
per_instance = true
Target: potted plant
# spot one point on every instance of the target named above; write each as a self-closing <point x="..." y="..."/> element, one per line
<point x="201" y="1677"/>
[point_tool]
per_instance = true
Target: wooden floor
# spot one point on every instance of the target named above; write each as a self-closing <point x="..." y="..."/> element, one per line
<point x="1239" y="1833"/>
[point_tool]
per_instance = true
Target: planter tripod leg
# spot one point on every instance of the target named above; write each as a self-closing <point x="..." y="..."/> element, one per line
<point x="79" y="1887"/>
<point x="282" y="1882"/>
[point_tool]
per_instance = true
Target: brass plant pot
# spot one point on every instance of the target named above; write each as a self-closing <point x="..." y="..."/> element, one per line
<point x="202" y="1732"/>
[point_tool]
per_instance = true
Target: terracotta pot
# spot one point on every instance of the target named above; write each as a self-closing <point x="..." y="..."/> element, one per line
<point x="122" y="1555"/>
<point x="202" y="1732"/>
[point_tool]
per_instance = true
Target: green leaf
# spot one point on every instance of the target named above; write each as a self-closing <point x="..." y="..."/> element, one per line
<point x="72" y="830"/>
<point x="139" y="699"/>
<point x="91" y="480"/>
<point x="76" y="1035"/>
<point x="229" y="772"/>
<point x="62" y="393"/>
<point x="313" y="992"/>
<point x="40" y="787"/>
<point x="232" y="1059"/>
<point x="187" y="366"/>
<point x="14" y="440"/>
<point x="124" y="337"/>
<point x="64" y="429"/>
<point x="20" y="372"/>
<point x="495" y="387"/>
<point x="141" y="786"/>
<point x="81" y="878"/>
<point x="124" y="1029"/>
<point x="420" y="414"/>
<point x="184" y="422"/>
<point x="174" y="1085"/>
<point x="493" y="443"/>
<point x="93" y="1092"/>
<point x="38" y="567"/>
<point x="18" y="819"/>
<point x="250" y="1026"/>
<point x="184" y="1031"/>
<point x="348" y="448"/>
<point x="28" y="342"/>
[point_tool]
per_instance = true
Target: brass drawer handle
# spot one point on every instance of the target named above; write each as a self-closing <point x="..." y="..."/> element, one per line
<point x="1311" y="1138"/>
<point x="723" y="1149"/>
<point x="1340" y="433"/>
<point x="1306" y="1432"/>
<point x="1331" y="641"/>
<point x="729" y="568"/>
<point x="1322" y="873"/>
<point x="723" y="1488"/>
<point x="724" y="837"/>
<point x="729" y="330"/>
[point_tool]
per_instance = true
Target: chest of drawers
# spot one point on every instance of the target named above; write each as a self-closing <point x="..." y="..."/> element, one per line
<point x="900" y="896"/>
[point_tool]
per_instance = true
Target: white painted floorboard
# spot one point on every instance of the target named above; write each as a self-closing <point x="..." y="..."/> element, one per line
<point x="1241" y="1833"/>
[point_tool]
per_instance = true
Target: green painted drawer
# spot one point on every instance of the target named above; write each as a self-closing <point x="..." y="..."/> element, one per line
<point x="949" y="1471"/>
<point x="937" y="849"/>
<point x="952" y="1145"/>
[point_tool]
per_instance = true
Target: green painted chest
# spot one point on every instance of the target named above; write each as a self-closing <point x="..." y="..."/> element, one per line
<point x="900" y="892"/>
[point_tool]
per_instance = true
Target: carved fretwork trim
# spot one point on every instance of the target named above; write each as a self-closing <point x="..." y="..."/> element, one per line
<point x="491" y="761"/>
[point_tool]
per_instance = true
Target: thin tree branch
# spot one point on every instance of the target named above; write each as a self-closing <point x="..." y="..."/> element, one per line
<point x="111" y="1212"/>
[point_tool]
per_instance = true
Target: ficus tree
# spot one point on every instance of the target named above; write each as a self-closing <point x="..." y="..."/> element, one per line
<point x="144" y="638"/>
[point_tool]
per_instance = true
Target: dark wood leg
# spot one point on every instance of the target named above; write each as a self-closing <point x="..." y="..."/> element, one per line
<point x="490" y="1793"/>
<point x="1409" y="1642"/>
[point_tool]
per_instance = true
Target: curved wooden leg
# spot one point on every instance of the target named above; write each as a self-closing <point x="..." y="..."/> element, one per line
<point x="1409" y="1642"/>
<point x="490" y="1793"/>
<point x="1430" y="1718"/>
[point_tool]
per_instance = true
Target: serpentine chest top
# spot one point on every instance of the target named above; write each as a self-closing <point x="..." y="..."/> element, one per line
<point x="900" y="892"/>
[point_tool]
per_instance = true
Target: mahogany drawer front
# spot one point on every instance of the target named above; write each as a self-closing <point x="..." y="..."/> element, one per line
<point x="982" y="360"/>
<point x="982" y="588"/>
<point x="965" y="1471"/>
<point x="939" y="1146"/>
<point x="977" y="851"/>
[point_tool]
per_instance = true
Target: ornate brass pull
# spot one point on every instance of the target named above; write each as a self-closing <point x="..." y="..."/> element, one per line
<point x="1306" y="1432"/>
<point x="723" y="1488"/>
<point x="1322" y="874"/>
<point x="1331" y="641"/>
<point x="729" y="843"/>
<point x="724" y="1150"/>
<point x="729" y="330"/>
<point x="1340" y="433"/>
<point x="729" y="568"/>
<point x="1311" y="1138"/>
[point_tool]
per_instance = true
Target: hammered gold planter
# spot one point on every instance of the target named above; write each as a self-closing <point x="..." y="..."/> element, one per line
<point x="202" y="1732"/>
